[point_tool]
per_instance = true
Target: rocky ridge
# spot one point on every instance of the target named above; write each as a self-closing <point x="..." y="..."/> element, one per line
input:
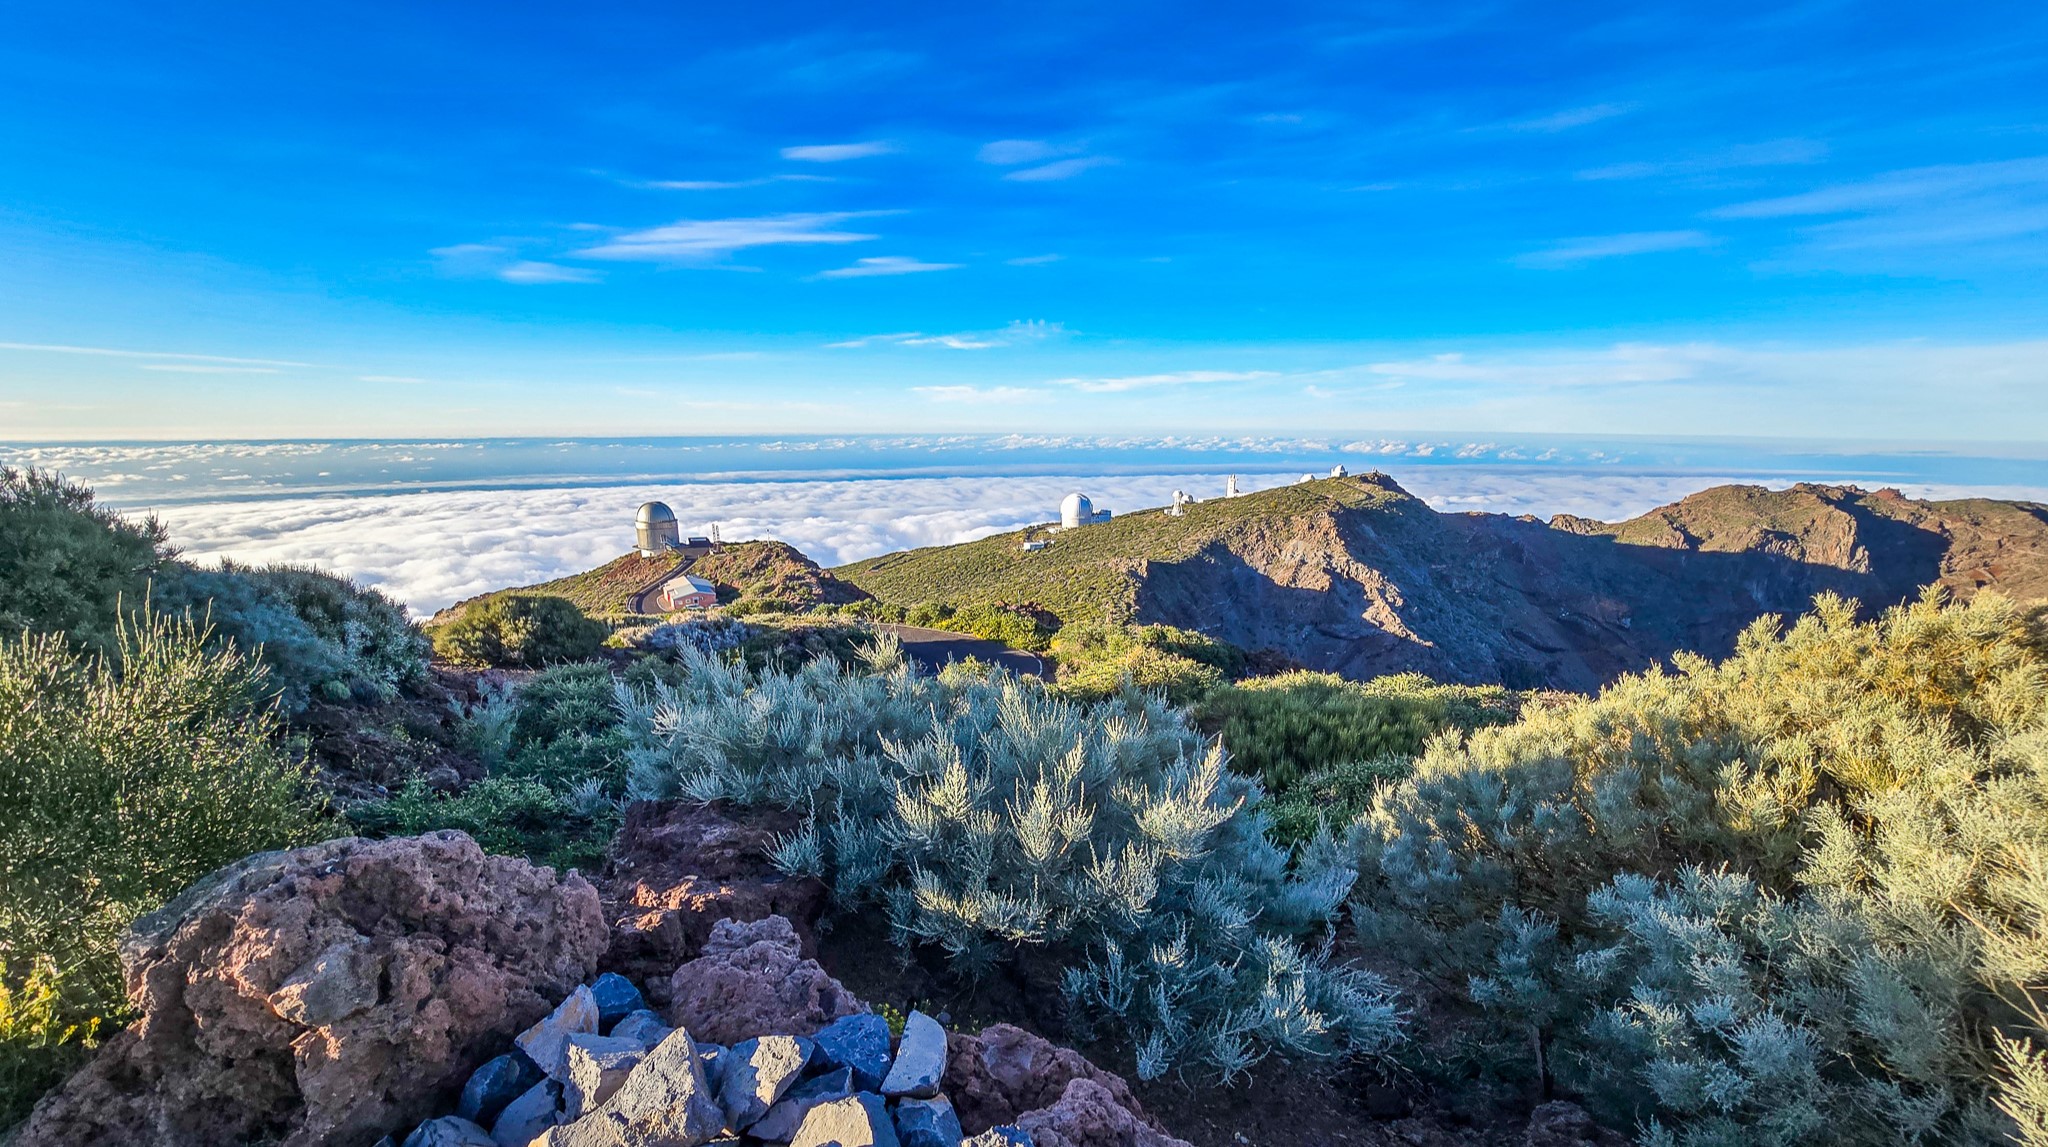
<point x="1356" y="576"/>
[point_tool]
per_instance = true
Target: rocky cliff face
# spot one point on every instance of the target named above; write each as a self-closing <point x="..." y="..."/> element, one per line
<point x="1388" y="584"/>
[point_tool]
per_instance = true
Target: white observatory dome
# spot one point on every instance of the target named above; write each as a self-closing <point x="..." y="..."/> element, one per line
<point x="1076" y="510"/>
<point x="655" y="530"/>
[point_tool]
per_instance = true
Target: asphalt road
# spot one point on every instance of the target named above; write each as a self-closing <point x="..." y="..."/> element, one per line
<point x="933" y="648"/>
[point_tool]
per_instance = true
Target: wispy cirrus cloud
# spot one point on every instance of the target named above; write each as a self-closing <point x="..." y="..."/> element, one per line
<point x="534" y="271"/>
<point x="837" y="152"/>
<point x="1570" y="118"/>
<point x="1908" y="216"/>
<point x="981" y="395"/>
<point x="1009" y="152"/>
<point x="700" y="240"/>
<point x="1775" y="153"/>
<point x="1033" y="260"/>
<point x="1060" y="169"/>
<point x="1621" y="364"/>
<point x="207" y="368"/>
<point x="725" y="184"/>
<point x="886" y="265"/>
<point x="1173" y="378"/>
<point x="1585" y="249"/>
<point x="120" y="352"/>
<point x="1019" y="332"/>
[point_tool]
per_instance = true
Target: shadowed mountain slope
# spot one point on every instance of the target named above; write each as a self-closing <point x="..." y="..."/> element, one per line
<point x="1357" y="576"/>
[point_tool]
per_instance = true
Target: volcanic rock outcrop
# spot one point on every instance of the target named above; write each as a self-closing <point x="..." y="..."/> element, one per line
<point x="326" y="995"/>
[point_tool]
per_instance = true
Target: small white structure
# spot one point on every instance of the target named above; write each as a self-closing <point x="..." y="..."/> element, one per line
<point x="1181" y="502"/>
<point x="1338" y="471"/>
<point x="655" y="530"/>
<point x="1077" y="511"/>
<point x="1304" y="478"/>
<point x="1230" y="489"/>
<point x="1035" y="545"/>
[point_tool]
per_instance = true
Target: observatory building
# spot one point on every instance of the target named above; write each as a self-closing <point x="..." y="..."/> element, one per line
<point x="655" y="530"/>
<point x="1076" y="510"/>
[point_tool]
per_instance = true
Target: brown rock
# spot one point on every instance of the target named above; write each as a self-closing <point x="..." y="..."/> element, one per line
<point x="1562" y="1124"/>
<point x="753" y="980"/>
<point x="997" y="1076"/>
<point x="675" y="870"/>
<point x="1089" y="1114"/>
<point x="326" y="995"/>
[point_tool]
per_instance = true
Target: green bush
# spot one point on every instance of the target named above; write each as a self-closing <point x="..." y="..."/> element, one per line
<point x="1329" y="798"/>
<point x="984" y="815"/>
<point x="42" y="1037"/>
<point x="511" y="816"/>
<point x="1017" y="626"/>
<point x="320" y="636"/>
<point x="1797" y="897"/>
<point x="1283" y="728"/>
<point x="519" y="630"/>
<point x="122" y="780"/>
<point x="1097" y="661"/>
<point x="66" y="563"/>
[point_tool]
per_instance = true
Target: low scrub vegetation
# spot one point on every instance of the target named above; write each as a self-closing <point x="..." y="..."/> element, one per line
<point x="321" y="637"/>
<point x="1098" y="661"/>
<point x="519" y="631"/>
<point x="123" y="778"/>
<point x="1797" y="897"/>
<point x="67" y="564"/>
<point x="982" y="814"/>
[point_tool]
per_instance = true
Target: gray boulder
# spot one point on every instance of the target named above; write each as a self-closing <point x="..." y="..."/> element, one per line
<point x="756" y="1073"/>
<point x="665" y="1101"/>
<point x="643" y="1027"/>
<point x="494" y="1085"/>
<point x="856" y="1121"/>
<point x="528" y="1117"/>
<point x="449" y="1131"/>
<point x="927" y="1123"/>
<point x="597" y="1065"/>
<point x="788" y="1114"/>
<point x="1001" y="1135"/>
<point x="547" y="1042"/>
<point x="920" y="1059"/>
<point x="616" y="998"/>
<point x="860" y="1043"/>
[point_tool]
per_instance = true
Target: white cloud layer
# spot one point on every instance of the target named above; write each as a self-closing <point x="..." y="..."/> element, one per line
<point x="688" y="240"/>
<point x="836" y="152"/>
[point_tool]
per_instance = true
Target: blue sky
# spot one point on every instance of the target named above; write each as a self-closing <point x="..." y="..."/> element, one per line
<point x="1808" y="220"/>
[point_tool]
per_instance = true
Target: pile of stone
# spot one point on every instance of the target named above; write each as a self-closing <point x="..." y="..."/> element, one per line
<point x="603" y="1070"/>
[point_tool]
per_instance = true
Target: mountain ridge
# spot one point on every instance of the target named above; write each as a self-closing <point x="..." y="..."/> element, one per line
<point x="1357" y="576"/>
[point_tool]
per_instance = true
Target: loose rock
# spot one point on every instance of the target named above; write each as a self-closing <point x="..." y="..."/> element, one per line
<point x="920" y="1059"/>
<point x="856" y="1121"/>
<point x="596" y="1066"/>
<point x="547" y="1042"/>
<point x="756" y="1073"/>
<point x="449" y="1131"/>
<point x="786" y="1116"/>
<point x="1089" y="1115"/>
<point x="616" y="998"/>
<point x="752" y="980"/>
<point x="927" y="1123"/>
<point x="664" y="1101"/>
<point x="1001" y="1135"/>
<point x="643" y="1027"/>
<point x="997" y="1076"/>
<point x="1564" y="1124"/>
<point x="494" y="1085"/>
<point x="858" y="1042"/>
<point x="529" y="1116"/>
